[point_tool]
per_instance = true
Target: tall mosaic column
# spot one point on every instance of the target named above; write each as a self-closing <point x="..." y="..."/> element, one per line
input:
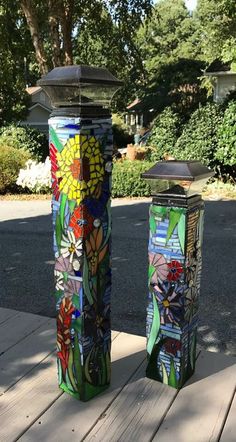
<point x="81" y="148"/>
<point x="175" y="246"/>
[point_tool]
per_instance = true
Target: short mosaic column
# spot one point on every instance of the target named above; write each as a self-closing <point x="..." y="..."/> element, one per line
<point x="175" y="250"/>
<point x="81" y="148"/>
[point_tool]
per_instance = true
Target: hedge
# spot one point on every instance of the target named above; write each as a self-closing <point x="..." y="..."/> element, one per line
<point x="11" y="161"/>
<point x="165" y="131"/>
<point x="24" y="137"/>
<point x="199" y="139"/>
<point x="126" y="179"/>
<point x="226" y="149"/>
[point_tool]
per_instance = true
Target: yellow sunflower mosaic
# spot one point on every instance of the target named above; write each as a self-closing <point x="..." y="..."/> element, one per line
<point x="81" y="167"/>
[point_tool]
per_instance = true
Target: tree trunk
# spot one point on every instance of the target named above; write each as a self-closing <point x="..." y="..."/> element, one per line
<point x="31" y="18"/>
<point x="66" y="26"/>
<point x="53" y="18"/>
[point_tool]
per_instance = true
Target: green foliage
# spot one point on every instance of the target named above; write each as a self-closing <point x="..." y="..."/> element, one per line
<point x="199" y="139"/>
<point x="13" y="98"/>
<point x="126" y="179"/>
<point x="11" y="161"/>
<point x="105" y="40"/>
<point x="121" y="136"/>
<point x="24" y="137"/>
<point x="226" y="151"/>
<point x="14" y="46"/>
<point x="176" y="84"/>
<point x="164" y="134"/>
<point x="164" y="36"/>
<point x="169" y="46"/>
<point x="217" y="29"/>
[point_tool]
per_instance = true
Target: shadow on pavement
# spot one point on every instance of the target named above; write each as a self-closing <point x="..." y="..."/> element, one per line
<point x="26" y="275"/>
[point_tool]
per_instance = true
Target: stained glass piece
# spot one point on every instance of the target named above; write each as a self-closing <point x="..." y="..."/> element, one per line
<point x="173" y="221"/>
<point x="152" y="224"/>
<point x="55" y="140"/>
<point x="86" y="282"/>
<point x="164" y="374"/>
<point x="172" y="376"/>
<point x="155" y="327"/>
<point x="58" y="231"/>
<point x="181" y="231"/>
<point x="158" y="209"/>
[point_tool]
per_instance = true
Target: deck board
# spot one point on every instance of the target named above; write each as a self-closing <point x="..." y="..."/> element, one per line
<point x="229" y="431"/>
<point x="69" y="419"/>
<point x="136" y="413"/>
<point x="28" y="399"/>
<point x="24" y="402"/>
<point x="17" y="327"/>
<point x="199" y="411"/>
<point x="134" y="408"/>
<point x="6" y="313"/>
<point x="20" y="359"/>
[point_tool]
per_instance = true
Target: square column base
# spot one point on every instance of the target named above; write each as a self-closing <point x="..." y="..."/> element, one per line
<point x="175" y="240"/>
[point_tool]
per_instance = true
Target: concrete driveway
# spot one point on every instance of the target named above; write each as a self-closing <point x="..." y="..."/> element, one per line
<point x="26" y="272"/>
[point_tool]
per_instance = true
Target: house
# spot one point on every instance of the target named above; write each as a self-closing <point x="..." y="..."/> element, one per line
<point x="137" y="116"/>
<point x="224" y="78"/>
<point x="39" y="110"/>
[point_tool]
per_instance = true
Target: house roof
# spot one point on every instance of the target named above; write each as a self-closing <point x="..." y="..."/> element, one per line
<point x="136" y="106"/>
<point x="33" y="89"/>
<point x="134" y="103"/>
<point x="217" y="67"/>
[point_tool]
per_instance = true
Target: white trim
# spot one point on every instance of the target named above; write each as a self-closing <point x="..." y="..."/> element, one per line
<point x="35" y="92"/>
<point x="219" y="74"/>
<point x="41" y="105"/>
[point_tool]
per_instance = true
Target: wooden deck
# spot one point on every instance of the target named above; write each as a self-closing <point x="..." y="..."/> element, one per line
<point x="134" y="408"/>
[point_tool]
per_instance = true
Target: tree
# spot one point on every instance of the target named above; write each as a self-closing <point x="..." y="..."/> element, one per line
<point x="217" y="28"/>
<point x="169" y="45"/>
<point x="55" y="26"/>
<point x="94" y="32"/>
<point x="13" y="97"/>
<point x="164" y="37"/>
<point x="177" y="84"/>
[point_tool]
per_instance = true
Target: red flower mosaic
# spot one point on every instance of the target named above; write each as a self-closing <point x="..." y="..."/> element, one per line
<point x="81" y="222"/>
<point x="54" y="168"/>
<point x="172" y="346"/>
<point x="175" y="270"/>
<point x="63" y="332"/>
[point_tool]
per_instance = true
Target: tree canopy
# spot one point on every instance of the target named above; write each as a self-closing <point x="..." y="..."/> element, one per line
<point x="13" y="98"/>
<point x="216" y="21"/>
<point x="159" y="51"/>
<point x="169" y="45"/>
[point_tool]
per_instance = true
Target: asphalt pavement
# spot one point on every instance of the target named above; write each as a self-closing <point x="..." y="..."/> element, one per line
<point x="26" y="266"/>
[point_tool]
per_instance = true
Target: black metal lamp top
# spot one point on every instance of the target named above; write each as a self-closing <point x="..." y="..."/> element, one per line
<point x="80" y="85"/>
<point x="178" y="170"/>
<point x="76" y="74"/>
<point x="177" y="178"/>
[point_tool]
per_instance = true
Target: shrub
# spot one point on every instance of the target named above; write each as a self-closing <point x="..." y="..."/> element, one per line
<point x="199" y="139"/>
<point x="165" y="132"/>
<point x="121" y="136"/>
<point x="226" y="149"/>
<point x="36" y="176"/>
<point x="11" y="160"/>
<point x="126" y="179"/>
<point x="24" y="137"/>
